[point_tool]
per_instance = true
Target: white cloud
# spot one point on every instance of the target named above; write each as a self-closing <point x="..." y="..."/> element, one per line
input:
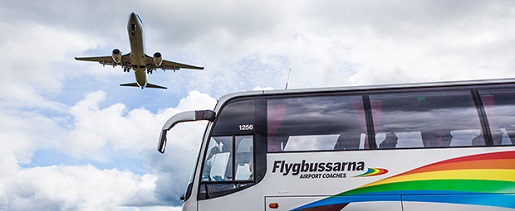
<point x="75" y="187"/>
<point x="34" y="56"/>
<point x="345" y="43"/>
<point x="98" y="134"/>
<point x="96" y="128"/>
<point x="22" y="132"/>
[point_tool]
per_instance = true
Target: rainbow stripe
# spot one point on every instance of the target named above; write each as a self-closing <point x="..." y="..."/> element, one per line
<point x="373" y="172"/>
<point x="483" y="179"/>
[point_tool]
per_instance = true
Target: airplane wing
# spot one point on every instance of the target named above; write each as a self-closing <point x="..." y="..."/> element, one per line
<point x="106" y="60"/>
<point x="169" y="65"/>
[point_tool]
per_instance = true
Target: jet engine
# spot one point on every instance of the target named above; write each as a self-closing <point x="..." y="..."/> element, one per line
<point x="157" y="59"/>
<point x="117" y="56"/>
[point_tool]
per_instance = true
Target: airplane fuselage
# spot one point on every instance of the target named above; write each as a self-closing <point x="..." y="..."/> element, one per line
<point x="137" y="55"/>
<point x="137" y="60"/>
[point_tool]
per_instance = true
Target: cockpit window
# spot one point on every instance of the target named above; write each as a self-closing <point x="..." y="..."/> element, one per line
<point x="139" y="18"/>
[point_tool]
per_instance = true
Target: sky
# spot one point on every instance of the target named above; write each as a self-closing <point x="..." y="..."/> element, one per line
<point x="72" y="139"/>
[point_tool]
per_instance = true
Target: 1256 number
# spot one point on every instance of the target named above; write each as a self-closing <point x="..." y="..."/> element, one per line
<point x="246" y="127"/>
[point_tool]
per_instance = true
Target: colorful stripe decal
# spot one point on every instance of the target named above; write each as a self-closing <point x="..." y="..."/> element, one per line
<point x="483" y="179"/>
<point x="373" y="172"/>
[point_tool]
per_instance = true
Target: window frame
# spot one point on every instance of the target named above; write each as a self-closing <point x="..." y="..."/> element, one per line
<point x="258" y="154"/>
<point x="472" y="88"/>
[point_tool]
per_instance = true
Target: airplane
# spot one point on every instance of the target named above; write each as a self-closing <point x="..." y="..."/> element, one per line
<point x="141" y="63"/>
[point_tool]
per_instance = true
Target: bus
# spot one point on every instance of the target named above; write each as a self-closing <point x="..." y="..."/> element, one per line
<point x="409" y="147"/>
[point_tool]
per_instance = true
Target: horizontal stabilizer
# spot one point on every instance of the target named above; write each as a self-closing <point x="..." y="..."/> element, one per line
<point x="149" y="85"/>
<point x="130" y="84"/>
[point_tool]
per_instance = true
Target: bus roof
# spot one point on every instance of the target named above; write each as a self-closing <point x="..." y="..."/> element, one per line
<point x="228" y="97"/>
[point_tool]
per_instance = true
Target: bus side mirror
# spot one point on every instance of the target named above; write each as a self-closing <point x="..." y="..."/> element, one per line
<point x="187" y="116"/>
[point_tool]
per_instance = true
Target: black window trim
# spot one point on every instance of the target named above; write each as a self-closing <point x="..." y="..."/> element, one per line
<point x="259" y="110"/>
<point x="485" y="125"/>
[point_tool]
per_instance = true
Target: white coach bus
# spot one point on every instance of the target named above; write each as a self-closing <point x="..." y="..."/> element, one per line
<point x="411" y="147"/>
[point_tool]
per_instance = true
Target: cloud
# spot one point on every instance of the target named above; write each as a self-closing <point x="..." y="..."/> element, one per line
<point x="95" y="128"/>
<point x="100" y="134"/>
<point x="35" y="63"/>
<point x="75" y="187"/>
<point x="347" y="43"/>
<point x="137" y="130"/>
<point x="22" y="132"/>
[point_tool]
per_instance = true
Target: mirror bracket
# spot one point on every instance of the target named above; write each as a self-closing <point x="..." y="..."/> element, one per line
<point x="187" y="116"/>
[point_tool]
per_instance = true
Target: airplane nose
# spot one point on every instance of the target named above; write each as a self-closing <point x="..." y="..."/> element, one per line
<point x="133" y="17"/>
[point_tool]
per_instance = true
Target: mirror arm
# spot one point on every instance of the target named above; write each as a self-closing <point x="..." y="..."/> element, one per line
<point x="187" y="116"/>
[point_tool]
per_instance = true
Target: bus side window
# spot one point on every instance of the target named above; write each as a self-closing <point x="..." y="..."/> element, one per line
<point x="243" y="159"/>
<point x="499" y="106"/>
<point x="316" y="123"/>
<point x="426" y="119"/>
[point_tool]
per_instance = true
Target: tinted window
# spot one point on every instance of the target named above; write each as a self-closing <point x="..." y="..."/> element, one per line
<point x="425" y="119"/>
<point x="224" y="152"/>
<point x="499" y="105"/>
<point x="229" y="163"/>
<point x="217" y="164"/>
<point x="228" y="166"/>
<point x="316" y="123"/>
<point x="236" y="118"/>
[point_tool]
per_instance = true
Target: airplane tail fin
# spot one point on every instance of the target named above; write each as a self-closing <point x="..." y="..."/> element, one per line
<point x="149" y="85"/>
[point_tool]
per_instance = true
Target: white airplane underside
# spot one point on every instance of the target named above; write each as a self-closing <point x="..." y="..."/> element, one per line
<point x="141" y="63"/>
